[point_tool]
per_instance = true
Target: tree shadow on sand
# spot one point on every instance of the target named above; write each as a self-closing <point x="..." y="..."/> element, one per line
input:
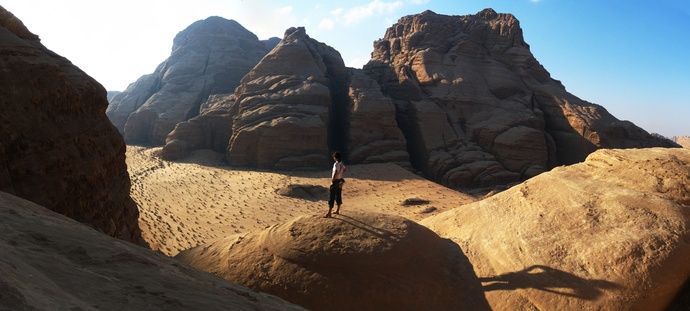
<point x="549" y="280"/>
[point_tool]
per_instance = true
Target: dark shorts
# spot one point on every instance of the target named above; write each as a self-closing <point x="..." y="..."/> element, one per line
<point x="335" y="192"/>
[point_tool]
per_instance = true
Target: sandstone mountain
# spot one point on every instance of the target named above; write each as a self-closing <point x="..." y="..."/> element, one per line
<point x="298" y="104"/>
<point x="357" y="261"/>
<point x="50" y="262"/>
<point x="610" y="233"/>
<point x="57" y="147"/>
<point x="209" y="57"/>
<point x="111" y="94"/>
<point x="459" y="98"/>
<point x="477" y="108"/>
<point x="293" y="108"/>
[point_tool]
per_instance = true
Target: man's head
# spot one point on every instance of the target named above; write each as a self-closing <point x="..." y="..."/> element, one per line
<point x="336" y="156"/>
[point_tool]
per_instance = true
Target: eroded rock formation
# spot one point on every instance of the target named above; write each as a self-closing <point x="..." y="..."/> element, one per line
<point x="609" y="233"/>
<point x="50" y="262"/>
<point x="357" y="261"/>
<point x="459" y="98"/>
<point x="478" y="109"/>
<point x="211" y="129"/>
<point x="209" y="57"/>
<point x="57" y="147"/>
<point x="301" y="102"/>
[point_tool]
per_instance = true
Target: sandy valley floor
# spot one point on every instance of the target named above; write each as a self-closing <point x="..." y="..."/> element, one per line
<point x="199" y="199"/>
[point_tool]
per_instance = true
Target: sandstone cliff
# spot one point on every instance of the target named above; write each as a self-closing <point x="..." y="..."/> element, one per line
<point x="50" y="262"/>
<point x="459" y="98"/>
<point x="478" y="109"/>
<point x="610" y="233"/>
<point x="211" y="129"/>
<point x="357" y="261"/>
<point x="57" y="147"/>
<point x="295" y="107"/>
<point x="209" y="57"/>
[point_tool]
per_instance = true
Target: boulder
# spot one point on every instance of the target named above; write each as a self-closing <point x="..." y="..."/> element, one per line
<point x="50" y="262"/>
<point x="357" y="261"/>
<point x="609" y="233"/>
<point x="57" y="147"/>
<point x="209" y="57"/>
<point x="470" y="83"/>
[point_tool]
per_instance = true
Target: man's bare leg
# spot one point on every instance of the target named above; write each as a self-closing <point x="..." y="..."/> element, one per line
<point x="337" y="210"/>
<point x="328" y="215"/>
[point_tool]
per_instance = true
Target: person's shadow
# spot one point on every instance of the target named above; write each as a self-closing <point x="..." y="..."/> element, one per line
<point x="550" y="280"/>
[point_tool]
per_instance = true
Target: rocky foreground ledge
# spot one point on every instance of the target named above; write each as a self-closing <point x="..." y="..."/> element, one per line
<point x="354" y="261"/>
<point x="610" y="233"/>
<point x="50" y="262"/>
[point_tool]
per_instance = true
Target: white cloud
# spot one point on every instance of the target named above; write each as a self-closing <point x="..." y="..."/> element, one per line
<point x="283" y="11"/>
<point x="535" y="1"/>
<point x="326" y="24"/>
<point x="357" y="14"/>
<point x="337" y="12"/>
<point x="419" y="2"/>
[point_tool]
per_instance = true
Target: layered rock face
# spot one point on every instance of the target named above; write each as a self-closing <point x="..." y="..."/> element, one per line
<point x="50" y="262"/>
<point x="209" y="57"/>
<point x="459" y="98"/>
<point x="211" y="129"/>
<point x="57" y="147"/>
<point x="478" y="109"/>
<point x="358" y="261"/>
<point x="609" y="233"/>
<point x="295" y="107"/>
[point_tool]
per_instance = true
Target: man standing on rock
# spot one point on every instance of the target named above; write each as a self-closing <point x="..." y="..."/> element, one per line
<point x="337" y="181"/>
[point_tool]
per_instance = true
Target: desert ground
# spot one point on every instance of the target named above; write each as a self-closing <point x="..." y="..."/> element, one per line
<point x="200" y="198"/>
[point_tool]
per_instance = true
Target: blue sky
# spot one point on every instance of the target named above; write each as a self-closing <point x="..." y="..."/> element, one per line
<point x="630" y="56"/>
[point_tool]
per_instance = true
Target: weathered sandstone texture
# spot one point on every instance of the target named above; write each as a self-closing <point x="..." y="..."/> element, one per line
<point x="610" y="233"/>
<point x="57" y="147"/>
<point x="301" y="102"/>
<point x="50" y="262"/>
<point x="209" y="57"/>
<point x="478" y="109"/>
<point x="459" y="98"/>
<point x="356" y="261"/>
<point x="211" y="129"/>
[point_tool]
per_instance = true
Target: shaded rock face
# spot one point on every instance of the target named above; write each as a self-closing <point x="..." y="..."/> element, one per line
<point x="50" y="262"/>
<point x="300" y="103"/>
<point x="209" y="130"/>
<point x="209" y="57"/>
<point x="609" y="233"/>
<point x="373" y="133"/>
<point x="57" y="147"/>
<point x="357" y="261"/>
<point x="478" y="109"/>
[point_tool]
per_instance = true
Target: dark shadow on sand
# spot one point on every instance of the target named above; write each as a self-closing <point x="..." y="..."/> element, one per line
<point x="549" y="280"/>
<point x="472" y="296"/>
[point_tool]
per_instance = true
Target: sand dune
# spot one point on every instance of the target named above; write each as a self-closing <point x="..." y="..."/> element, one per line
<point x="201" y="199"/>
